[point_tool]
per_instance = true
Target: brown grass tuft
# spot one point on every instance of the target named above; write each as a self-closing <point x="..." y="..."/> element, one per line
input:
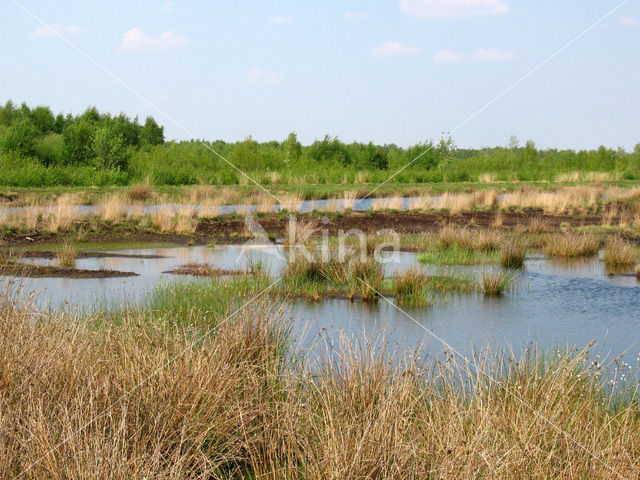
<point x="572" y="245"/>
<point x="619" y="253"/>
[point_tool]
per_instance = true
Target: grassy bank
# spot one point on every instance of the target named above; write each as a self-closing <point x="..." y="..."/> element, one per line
<point x="85" y="397"/>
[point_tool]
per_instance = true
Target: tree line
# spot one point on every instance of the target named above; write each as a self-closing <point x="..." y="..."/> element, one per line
<point x="40" y="148"/>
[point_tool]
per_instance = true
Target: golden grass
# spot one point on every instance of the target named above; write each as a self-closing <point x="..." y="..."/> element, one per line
<point x="233" y="406"/>
<point x="140" y="192"/>
<point x="299" y="232"/>
<point x="619" y="253"/>
<point x="113" y="208"/>
<point x="186" y="221"/>
<point x="64" y="213"/>
<point x="422" y="202"/>
<point x="572" y="245"/>
<point x="456" y="202"/>
<point x="162" y="218"/>
<point x="495" y="282"/>
<point x="512" y="255"/>
<point x="67" y="255"/>
<point x="562" y="200"/>
<point x="291" y="202"/>
<point x="349" y="199"/>
<point x="539" y="225"/>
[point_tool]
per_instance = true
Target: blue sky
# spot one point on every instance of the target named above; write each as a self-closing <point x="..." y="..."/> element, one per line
<point x="388" y="71"/>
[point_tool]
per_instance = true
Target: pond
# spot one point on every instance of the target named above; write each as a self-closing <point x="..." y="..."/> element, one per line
<point x="553" y="303"/>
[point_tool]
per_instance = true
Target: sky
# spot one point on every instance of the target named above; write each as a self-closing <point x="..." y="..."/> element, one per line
<point x="397" y="71"/>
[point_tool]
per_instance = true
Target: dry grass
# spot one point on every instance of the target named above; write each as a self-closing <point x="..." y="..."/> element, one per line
<point x="562" y="200"/>
<point x="63" y="213"/>
<point x="67" y="255"/>
<point x="456" y="202"/>
<point x="113" y="208"/>
<point x="349" y="199"/>
<point x="299" y="232"/>
<point x="572" y="245"/>
<point x="619" y="253"/>
<point x="512" y="255"/>
<point x="423" y="202"/>
<point x="495" y="282"/>
<point x="482" y="239"/>
<point x="163" y="218"/>
<point x="539" y="225"/>
<point x="291" y="202"/>
<point x="186" y="220"/>
<point x="233" y="406"/>
<point x="140" y="192"/>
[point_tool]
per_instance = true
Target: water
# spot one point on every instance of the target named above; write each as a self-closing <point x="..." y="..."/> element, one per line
<point x="553" y="304"/>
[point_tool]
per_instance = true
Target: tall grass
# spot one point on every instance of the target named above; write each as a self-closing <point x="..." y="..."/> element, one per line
<point x="64" y="213"/>
<point x="143" y="398"/>
<point x="495" y="282"/>
<point x="572" y="245"/>
<point x="66" y="256"/>
<point x="619" y="254"/>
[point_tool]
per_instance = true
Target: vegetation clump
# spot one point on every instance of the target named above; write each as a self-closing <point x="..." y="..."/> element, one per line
<point x="495" y="282"/>
<point x="572" y="245"/>
<point x="619" y="254"/>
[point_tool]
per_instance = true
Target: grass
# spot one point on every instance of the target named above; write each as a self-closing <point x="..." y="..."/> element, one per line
<point x="459" y="256"/>
<point x="414" y="288"/>
<point x="495" y="282"/>
<point x="239" y="403"/>
<point x="619" y="254"/>
<point x="512" y="255"/>
<point x="66" y="256"/>
<point x="572" y="245"/>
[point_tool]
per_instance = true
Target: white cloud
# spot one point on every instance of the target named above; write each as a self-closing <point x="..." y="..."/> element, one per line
<point x="628" y="22"/>
<point x="481" y="55"/>
<point x="280" y="20"/>
<point x="354" y="15"/>
<point x="137" y="40"/>
<point x="166" y="8"/>
<point x="453" y="8"/>
<point x="258" y="76"/>
<point x="492" y="55"/>
<point x="447" y="56"/>
<point x="45" y="31"/>
<point x="395" y="49"/>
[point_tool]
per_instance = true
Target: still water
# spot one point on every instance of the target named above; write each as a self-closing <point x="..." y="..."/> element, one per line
<point x="553" y="304"/>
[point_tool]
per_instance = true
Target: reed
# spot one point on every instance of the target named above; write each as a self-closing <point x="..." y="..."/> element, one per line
<point x="66" y="256"/>
<point x="299" y="232"/>
<point x="64" y="213"/>
<point x="572" y="245"/>
<point x="512" y="255"/>
<point x="495" y="282"/>
<point x="539" y="225"/>
<point x="619" y="253"/>
<point x="113" y="208"/>
<point x="140" y="192"/>
<point x="236" y="404"/>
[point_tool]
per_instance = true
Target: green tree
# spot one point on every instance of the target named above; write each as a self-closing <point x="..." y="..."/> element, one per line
<point x="50" y="149"/>
<point x="151" y="133"/>
<point x="43" y="119"/>
<point x="108" y="149"/>
<point x="292" y="147"/>
<point x="245" y="154"/>
<point x="21" y="138"/>
<point x="77" y="139"/>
